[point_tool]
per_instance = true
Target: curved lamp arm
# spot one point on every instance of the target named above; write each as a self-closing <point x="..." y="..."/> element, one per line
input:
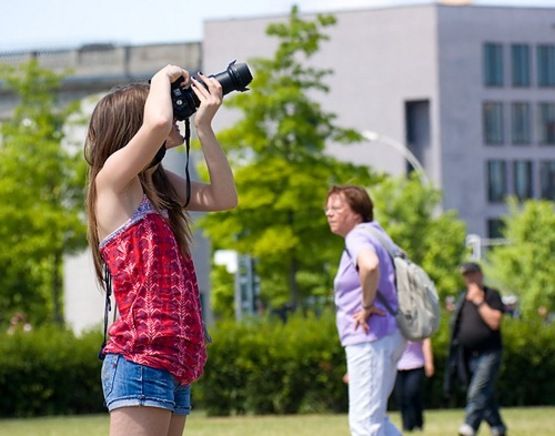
<point x="407" y="154"/>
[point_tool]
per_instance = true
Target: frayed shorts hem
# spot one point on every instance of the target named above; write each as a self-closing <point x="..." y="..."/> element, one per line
<point x="147" y="402"/>
<point x="128" y="384"/>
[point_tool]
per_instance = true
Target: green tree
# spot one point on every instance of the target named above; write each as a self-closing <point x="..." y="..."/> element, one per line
<point x="41" y="194"/>
<point x="281" y="169"/>
<point x="222" y="292"/>
<point x="525" y="265"/>
<point x="409" y="212"/>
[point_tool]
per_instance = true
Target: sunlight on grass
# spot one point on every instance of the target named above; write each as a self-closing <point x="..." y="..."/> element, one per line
<point x="521" y="422"/>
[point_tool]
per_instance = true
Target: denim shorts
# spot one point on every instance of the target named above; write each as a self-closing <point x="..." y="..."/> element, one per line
<point x="126" y="383"/>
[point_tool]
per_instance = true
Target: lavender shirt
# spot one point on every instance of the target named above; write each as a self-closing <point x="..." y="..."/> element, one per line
<point x="348" y="291"/>
<point x="413" y="357"/>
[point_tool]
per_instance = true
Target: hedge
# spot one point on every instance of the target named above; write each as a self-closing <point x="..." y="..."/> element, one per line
<point x="259" y="366"/>
<point x="49" y="371"/>
<point x="270" y="367"/>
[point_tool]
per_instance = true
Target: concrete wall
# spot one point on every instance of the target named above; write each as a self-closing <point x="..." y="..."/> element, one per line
<point x="97" y="68"/>
<point x="106" y="59"/>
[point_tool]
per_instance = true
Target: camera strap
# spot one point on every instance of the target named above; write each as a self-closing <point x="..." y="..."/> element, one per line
<point x="107" y="307"/>
<point x="188" y="148"/>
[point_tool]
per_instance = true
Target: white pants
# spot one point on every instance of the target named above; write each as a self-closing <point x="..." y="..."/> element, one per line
<point x="372" y="367"/>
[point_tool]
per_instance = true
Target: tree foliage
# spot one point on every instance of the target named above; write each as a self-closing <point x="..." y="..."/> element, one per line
<point x="281" y="170"/>
<point x="41" y="194"/>
<point x="525" y="265"/>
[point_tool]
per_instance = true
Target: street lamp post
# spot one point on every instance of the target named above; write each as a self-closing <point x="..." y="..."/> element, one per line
<point x="479" y="245"/>
<point x="401" y="148"/>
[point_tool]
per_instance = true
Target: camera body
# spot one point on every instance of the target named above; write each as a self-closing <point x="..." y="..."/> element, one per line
<point x="185" y="102"/>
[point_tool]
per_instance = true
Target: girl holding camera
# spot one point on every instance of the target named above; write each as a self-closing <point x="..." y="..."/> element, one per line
<point x="139" y="234"/>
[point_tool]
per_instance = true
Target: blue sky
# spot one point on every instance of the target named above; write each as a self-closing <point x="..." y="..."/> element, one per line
<point x="34" y="24"/>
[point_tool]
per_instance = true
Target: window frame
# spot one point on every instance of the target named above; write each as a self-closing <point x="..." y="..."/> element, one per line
<point x="544" y="194"/>
<point x="545" y="137"/>
<point x="521" y="52"/>
<point x="490" y="191"/>
<point x="529" y="165"/>
<point x="488" y="138"/>
<point x="492" y="59"/>
<point x="545" y="65"/>
<point x="516" y="137"/>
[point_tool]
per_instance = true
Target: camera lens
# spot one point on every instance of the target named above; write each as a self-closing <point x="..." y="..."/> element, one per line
<point x="235" y="78"/>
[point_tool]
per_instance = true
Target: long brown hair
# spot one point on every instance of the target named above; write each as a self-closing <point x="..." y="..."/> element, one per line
<point x="115" y="120"/>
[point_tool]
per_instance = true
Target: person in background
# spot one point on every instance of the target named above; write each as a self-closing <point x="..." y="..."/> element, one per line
<point x="475" y="351"/>
<point x="372" y="341"/>
<point x="19" y="323"/>
<point x="545" y="315"/>
<point x="416" y="362"/>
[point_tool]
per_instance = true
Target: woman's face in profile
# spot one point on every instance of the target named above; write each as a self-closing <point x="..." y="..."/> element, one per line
<point x="341" y="217"/>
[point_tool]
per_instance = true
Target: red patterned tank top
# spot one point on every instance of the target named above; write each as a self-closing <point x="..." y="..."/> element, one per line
<point x="155" y="287"/>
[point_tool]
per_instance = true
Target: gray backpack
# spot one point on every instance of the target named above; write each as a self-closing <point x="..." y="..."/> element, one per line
<point x="418" y="313"/>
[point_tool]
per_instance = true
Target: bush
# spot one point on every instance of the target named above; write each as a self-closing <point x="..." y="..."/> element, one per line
<point x="260" y="366"/>
<point x="266" y="366"/>
<point x="49" y="371"/>
<point x="269" y="367"/>
<point x="526" y="376"/>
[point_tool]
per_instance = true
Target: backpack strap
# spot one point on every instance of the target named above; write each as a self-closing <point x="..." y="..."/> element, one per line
<point x="391" y="249"/>
<point x="379" y="296"/>
<point x="387" y="306"/>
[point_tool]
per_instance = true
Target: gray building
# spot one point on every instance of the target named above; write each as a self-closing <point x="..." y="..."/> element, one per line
<point x="470" y="90"/>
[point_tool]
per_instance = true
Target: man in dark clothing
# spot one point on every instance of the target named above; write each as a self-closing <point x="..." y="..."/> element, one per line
<point x="476" y="345"/>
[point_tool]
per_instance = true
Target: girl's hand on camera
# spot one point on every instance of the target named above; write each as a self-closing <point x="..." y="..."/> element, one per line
<point x="210" y="99"/>
<point x="173" y="72"/>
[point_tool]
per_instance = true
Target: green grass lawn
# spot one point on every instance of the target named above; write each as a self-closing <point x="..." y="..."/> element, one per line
<point x="537" y="421"/>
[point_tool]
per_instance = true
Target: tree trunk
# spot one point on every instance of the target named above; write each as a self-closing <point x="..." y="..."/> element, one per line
<point x="293" y="268"/>
<point x="293" y="283"/>
<point x="57" y="284"/>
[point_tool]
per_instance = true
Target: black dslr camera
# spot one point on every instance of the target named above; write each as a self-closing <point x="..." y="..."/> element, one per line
<point x="185" y="102"/>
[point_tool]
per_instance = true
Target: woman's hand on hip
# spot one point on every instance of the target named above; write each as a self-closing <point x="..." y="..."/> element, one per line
<point x="362" y="316"/>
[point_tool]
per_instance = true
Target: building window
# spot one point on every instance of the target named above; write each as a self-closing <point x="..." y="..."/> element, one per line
<point x="547" y="179"/>
<point x="496" y="228"/>
<point x="493" y="64"/>
<point x="546" y="65"/>
<point x="493" y="122"/>
<point x="520" y="62"/>
<point x="521" y="121"/>
<point x="547" y="123"/>
<point x="522" y="179"/>
<point x="417" y="127"/>
<point x="497" y="180"/>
